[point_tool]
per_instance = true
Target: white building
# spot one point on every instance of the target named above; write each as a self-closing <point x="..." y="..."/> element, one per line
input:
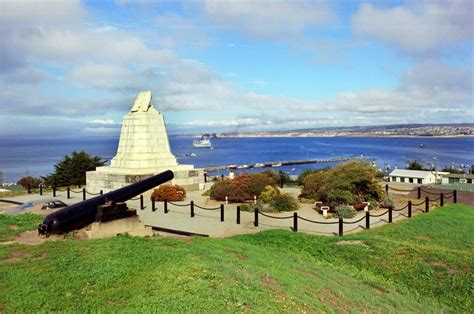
<point x="458" y="178"/>
<point x="412" y="176"/>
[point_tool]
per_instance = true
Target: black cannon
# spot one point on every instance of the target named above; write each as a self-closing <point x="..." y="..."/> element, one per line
<point x="83" y="213"/>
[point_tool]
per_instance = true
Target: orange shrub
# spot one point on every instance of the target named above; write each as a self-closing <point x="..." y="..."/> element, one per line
<point x="168" y="192"/>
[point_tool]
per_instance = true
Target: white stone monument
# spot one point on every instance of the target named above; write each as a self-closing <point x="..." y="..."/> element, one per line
<point x="143" y="151"/>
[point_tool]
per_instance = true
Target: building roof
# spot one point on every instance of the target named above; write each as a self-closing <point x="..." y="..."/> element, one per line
<point x="458" y="175"/>
<point x="419" y="174"/>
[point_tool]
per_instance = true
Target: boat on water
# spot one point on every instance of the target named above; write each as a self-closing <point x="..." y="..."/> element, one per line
<point x="278" y="164"/>
<point x="191" y="154"/>
<point x="422" y="145"/>
<point x="258" y="165"/>
<point x="204" y="142"/>
<point x="243" y="167"/>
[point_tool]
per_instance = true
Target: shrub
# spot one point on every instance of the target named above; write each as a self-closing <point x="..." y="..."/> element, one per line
<point x="345" y="211"/>
<point x="303" y="176"/>
<point x="168" y="192"/>
<point x="268" y="193"/>
<point x="221" y="189"/>
<point x="284" y="202"/>
<point x="348" y="183"/>
<point x="306" y="200"/>
<point x="243" y="187"/>
<point x="206" y="193"/>
<point x="33" y="182"/>
<point x="386" y="202"/>
<point x="247" y="207"/>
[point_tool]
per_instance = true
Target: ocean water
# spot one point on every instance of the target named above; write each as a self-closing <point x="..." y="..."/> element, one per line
<point x="38" y="157"/>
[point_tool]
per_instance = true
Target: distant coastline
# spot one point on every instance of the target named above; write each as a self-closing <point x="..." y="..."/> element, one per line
<point x="283" y="135"/>
<point x="400" y="130"/>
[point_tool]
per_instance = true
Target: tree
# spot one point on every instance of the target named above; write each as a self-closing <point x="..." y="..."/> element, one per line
<point x="414" y="165"/>
<point x="452" y="170"/>
<point x="72" y="169"/>
<point x="33" y="182"/>
<point x="348" y="183"/>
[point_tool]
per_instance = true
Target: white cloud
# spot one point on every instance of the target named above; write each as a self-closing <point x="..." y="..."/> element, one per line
<point x="103" y="121"/>
<point x="418" y="28"/>
<point x="269" y="18"/>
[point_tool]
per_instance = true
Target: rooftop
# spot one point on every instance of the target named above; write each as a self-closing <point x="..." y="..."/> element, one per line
<point x="421" y="174"/>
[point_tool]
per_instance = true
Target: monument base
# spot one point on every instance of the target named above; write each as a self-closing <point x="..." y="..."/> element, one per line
<point x="108" y="179"/>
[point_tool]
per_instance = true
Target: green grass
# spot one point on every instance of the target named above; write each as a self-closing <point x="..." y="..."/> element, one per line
<point x="11" y="226"/>
<point x="420" y="265"/>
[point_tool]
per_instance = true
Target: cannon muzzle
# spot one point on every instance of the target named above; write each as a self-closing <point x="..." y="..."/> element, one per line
<point x="83" y="213"/>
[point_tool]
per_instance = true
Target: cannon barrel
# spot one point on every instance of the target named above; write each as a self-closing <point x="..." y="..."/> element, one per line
<point x="83" y="213"/>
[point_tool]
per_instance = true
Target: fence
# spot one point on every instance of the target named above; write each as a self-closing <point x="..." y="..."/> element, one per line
<point x="410" y="207"/>
<point x="192" y="208"/>
<point x="82" y="191"/>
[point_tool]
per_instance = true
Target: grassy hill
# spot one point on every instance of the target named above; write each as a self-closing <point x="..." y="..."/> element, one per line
<point x="420" y="265"/>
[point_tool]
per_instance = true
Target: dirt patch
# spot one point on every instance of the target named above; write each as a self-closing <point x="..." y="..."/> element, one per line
<point x="32" y="238"/>
<point x="424" y="238"/>
<point x="237" y="255"/>
<point x="17" y="256"/>
<point x="333" y="300"/>
<point x="309" y="273"/>
<point x="353" y="242"/>
<point x="13" y="227"/>
<point x="442" y="269"/>
<point x="270" y="283"/>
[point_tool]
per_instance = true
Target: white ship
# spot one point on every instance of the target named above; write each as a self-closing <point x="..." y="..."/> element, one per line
<point x="204" y="142"/>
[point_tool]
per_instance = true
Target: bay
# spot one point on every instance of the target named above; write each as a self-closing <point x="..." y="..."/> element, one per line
<point x="38" y="157"/>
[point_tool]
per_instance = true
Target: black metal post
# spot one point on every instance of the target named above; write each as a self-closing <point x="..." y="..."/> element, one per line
<point x="29" y="188"/>
<point x="222" y="177"/>
<point x="409" y="209"/>
<point x="419" y="192"/>
<point x="41" y="189"/>
<point x="141" y="202"/>
<point x="341" y="227"/>
<point x="386" y="189"/>
<point x="166" y="206"/>
<point x="455" y="196"/>
<point x="222" y="212"/>
<point x="83" y="194"/>
<point x="295" y="222"/>
<point x="54" y="191"/>
<point x="192" y="209"/>
<point x="205" y="178"/>
<point x="427" y="204"/>
<point x="68" y="190"/>
<point x="238" y="215"/>
<point x="367" y="220"/>
<point x="255" y="221"/>
<point x="441" y="200"/>
<point x="101" y="192"/>
<point x="153" y="205"/>
<point x="390" y="215"/>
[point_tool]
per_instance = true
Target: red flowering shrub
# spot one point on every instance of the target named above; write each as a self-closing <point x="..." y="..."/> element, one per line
<point x="168" y="192"/>
<point x="243" y="187"/>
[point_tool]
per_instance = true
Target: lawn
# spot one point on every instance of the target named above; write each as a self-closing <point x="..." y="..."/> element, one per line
<point x="419" y="265"/>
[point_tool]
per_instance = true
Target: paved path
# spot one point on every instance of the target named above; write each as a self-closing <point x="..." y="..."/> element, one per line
<point x="207" y="222"/>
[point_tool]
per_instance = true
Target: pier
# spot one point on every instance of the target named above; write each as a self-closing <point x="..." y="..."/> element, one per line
<point x="281" y="163"/>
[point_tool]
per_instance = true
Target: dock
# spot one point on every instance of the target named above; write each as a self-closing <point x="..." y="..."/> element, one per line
<point x="281" y="163"/>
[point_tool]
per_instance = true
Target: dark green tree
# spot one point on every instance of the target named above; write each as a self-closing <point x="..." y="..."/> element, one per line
<point x="72" y="169"/>
<point x="31" y="181"/>
<point x="415" y="165"/>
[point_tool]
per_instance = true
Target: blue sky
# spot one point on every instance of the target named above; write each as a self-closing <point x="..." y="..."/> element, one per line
<point x="72" y="68"/>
